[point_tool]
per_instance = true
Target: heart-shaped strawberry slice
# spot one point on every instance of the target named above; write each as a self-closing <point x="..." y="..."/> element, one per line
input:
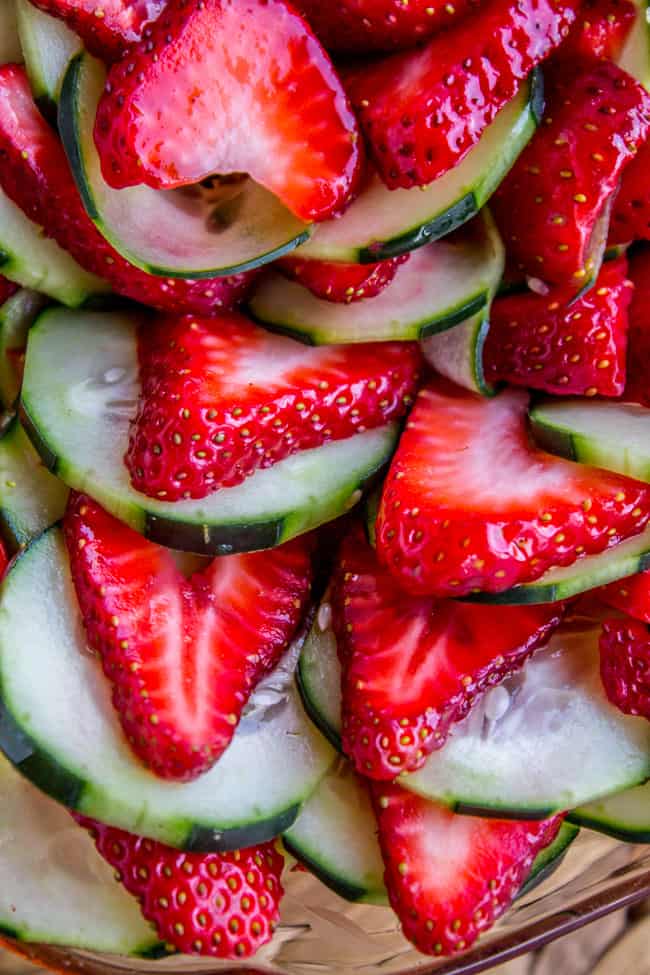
<point x="183" y="654"/>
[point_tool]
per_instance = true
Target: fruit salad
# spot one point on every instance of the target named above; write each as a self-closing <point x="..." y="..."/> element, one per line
<point x="324" y="456"/>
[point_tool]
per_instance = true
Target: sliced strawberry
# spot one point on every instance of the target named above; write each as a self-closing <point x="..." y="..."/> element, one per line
<point x="596" y="118"/>
<point x="366" y="26"/>
<point x="631" y="595"/>
<point x="450" y="877"/>
<point x="535" y="340"/>
<point x="413" y="665"/>
<point x="231" y="86"/>
<point x="342" y="283"/>
<point x="225" y="905"/>
<point x="7" y="289"/>
<point x="637" y="389"/>
<point x="223" y="398"/>
<point x="107" y="30"/>
<point x="631" y="210"/>
<point x="600" y="31"/>
<point x="34" y="173"/>
<point x="625" y="665"/>
<point x="470" y="504"/>
<point x="422" y="111"/>
<point x="183" y="655"/>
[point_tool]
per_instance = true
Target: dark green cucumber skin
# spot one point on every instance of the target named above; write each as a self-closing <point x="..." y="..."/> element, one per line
<point x="548" y="860"/>
<point x="152" y="953"/>
<point x="431" y="328"/>
<point x="331" y="734"/>
<point x="69" y="132"/>
<point x="349" y="892"/>
<point x="608" y="829"/>
<point x="197" y="538"/>
<point x="532" y="594"/>
<point x="458" y="214"/>
<point x="555" y="441"/>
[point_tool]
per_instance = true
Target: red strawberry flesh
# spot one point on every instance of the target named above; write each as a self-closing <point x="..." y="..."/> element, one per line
<point x="231" y="86"/>
<point x="182" y="655"/>
<point x="450" y="877"/>
<point x="600" y="31"/>
<point x="422" y="111"/>
<point x="7" y="289"/>
<point x="596" y="118"/>
<point x="342" y="283"/>
<point x="625" y="665"/>
<point x="109" y="30"/>
<point x="637" y="388"/>
<point x="469" y="504"/>
<point x="366" y="26"/>
<point x="631" y="211"/>
<point x="631" y="595"/>
<point x="35" y="174"/>
<point x="221" y="399"/>
<point x="413" y="665"/>
<point x="225" y="905"/>
<point x="541" y="342"/>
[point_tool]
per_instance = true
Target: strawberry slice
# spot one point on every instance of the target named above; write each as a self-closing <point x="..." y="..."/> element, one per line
<point x="637" y="388"/>
<point x="7" y="289"/>
<point x="342" y="283"/>
<point x="231" y="86"/>
<point x="422" y="111"/>
<point x="600" y="31"/>
<point x="535" y="340"/>
<point x="470" y="504"/>
<point x="596" y="118"/>
<point x="222" y="398"/>
<point x="413" y="665"/>
<point x="109" y="30"/>
<point x="625" y="665"/>
<point x="631" y="595"/>
<point x="35" y="174"/>
<point x="450" y="877"/>
<point x="631" y="210"/>
<point x="183" y="655"/>
<point x="225" y="905"/>
<point x="366" y="26"/>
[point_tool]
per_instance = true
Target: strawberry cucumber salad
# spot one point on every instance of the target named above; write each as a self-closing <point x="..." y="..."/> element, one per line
<point x="324" y="459"/>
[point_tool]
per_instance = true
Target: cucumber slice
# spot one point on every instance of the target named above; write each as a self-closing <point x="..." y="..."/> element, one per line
<point x="176" y="234"/>
<point x="549" y="859"/>
<point x="612" y="435"/>
<point x="509" y="757"/>
<point x="79" y="393"/>
<point x="10" y="52"/>
<point x="335" y="836"/>
<point x="54" y="887"/>
<point x="383" y="223"/>
<point x="635" y="56"/>
<point x="16" y="318"/>
<point x="31" y="499"/>
<point x="318" y="676"/>
<point x="458" y="353"/>
<point x="440" y="286"/>
<point x="35" y="261"/>
<point x="48" y="46"/>
<point x="252" y="794"/>
<point x="626" y="558"/>
<point x="625" y="816"/>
